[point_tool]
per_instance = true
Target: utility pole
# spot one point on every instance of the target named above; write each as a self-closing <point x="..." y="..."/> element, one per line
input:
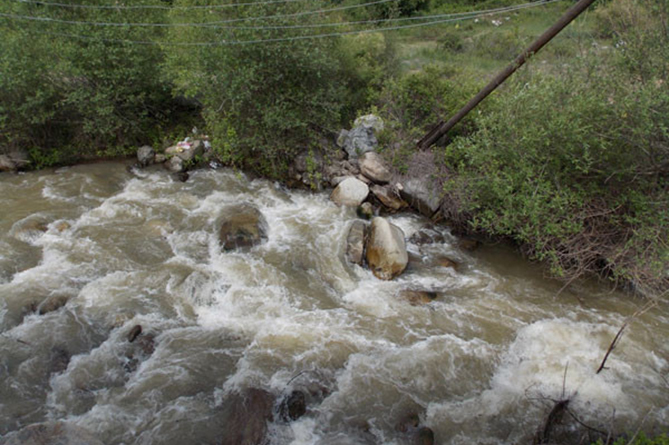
<point x="443" y="127"/>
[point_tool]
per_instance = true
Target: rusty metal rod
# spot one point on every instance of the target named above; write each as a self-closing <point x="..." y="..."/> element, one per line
<point x="442" y="128"/>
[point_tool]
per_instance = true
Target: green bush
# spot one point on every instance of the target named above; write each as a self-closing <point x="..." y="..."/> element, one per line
<point x="264" y="102"/>
<point x="573" y="166"/>
<point x="68" y="91"/>
<point x="413" y="103"/>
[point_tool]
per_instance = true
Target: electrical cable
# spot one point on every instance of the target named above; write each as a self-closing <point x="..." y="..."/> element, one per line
<point x="280" y="39"/>
<point x="215" y="25"/>
<point x="163" y="7"/>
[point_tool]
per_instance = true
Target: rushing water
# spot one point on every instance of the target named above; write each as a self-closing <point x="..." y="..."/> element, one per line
<point x="478" y="364"/>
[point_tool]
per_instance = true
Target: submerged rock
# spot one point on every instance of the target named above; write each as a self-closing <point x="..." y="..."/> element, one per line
<point x="59" y="360"/>
<point x="355" y="242"/>
<point x="51" y="433"/>
<point x="386" y="251"/>
<point x="134" y="333"/>
<point x="426" y="236"/>
<point x="374" y="167"/>
<point x="418" y="297"/>
<point x="446" y="262"/>
<point x="294" y="406"/>
<point x="469" y="244"/>
<point x="52" y="304"/>
<point x="145" y="155"/>
<point x="242" y="226"/>
<point x="424" y="436"/>
<point x="245" y="416"/>
<point x="61" y="226"/>
<point x="407" y="423"/>
<point x="350" y="192"/>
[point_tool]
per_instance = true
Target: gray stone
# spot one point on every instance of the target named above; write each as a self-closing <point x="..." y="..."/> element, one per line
<point x="360" y="140"/>
<point x="244" y="417"/>
<point x="419" y="195"/>
<point x="145" y="155"/>
<point x="350" y="192"/>
<point x="174" y="164"/>
<point x="341" y="138"/>
<point x="373" y="166"/>
<point x="14" y="160"/>
<point x="6" y="164"/>
<point x="242" y="226"/>
<point x="334" y="182"/>
<point x="159" y="158"/>
<point x="186" y="150"/>
<point x="369" y="121"/>
<point x="355" y="242"/>
<point x="388" y="196"/>
<point x="386" y="251"/>
<point x="51" y="433"/>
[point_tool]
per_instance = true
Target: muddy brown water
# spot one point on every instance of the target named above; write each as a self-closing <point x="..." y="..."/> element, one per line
<point x="477" y="365"/>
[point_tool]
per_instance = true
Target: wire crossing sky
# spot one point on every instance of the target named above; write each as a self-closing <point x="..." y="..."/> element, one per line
<point x="215" y="24"/>
<point x="434" y="20"/>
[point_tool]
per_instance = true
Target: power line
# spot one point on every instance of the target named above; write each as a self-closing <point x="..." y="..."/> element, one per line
<point x="135" y="7"/>
<point x="284" y="39"/>
<point x="215" y="24"/>
<point x="169" y="25"/>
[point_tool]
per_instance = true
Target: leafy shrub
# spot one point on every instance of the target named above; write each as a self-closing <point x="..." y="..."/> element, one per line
<point x="368" y="60"/>
<point x="415" y="102"/>
<point x="573" y="166"/>
<point x="92" y="92"/>
<point x="270" y="92"/>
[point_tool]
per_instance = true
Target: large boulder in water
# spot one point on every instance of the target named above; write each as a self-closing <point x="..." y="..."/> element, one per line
<point x="355" y="242"/>
<point x="242" y="226"/>
<point x="245" y="416"/>
<point x="350" y="192"/>
<point x="386" y="251"/>
<point x="51" y="433"/>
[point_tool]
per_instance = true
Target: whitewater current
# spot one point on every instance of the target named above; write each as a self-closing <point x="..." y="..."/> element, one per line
<point x="482" y="363"/>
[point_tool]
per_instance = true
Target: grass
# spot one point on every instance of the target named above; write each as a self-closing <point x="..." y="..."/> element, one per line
<point x="481" y="47"/>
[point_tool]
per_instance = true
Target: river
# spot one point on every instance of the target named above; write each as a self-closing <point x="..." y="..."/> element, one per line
<point x="480" y="364"/>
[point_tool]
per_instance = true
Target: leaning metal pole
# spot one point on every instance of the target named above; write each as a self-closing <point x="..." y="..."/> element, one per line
<point x="443" y="127"/>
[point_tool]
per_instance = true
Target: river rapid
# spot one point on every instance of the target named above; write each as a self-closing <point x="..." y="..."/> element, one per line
<point x="480" y="364"/>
